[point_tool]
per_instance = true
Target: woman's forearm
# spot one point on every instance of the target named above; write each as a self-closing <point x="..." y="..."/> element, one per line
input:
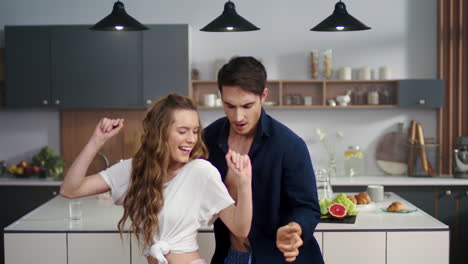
<point x="243" y="212"/>
<point x="77" y="171"/>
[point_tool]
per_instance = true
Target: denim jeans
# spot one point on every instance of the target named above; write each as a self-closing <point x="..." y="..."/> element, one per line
<point x="236" y="257"/>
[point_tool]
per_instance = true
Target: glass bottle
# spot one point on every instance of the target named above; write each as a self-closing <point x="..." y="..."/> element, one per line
<point x="384" y="96"/>
<point x="354" y="161"/>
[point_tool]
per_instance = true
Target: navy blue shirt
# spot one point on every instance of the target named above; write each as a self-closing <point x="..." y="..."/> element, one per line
<point x="283" y="190"/>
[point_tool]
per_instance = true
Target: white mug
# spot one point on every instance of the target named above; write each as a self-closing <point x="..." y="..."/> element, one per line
<point x="376" y="192"/>
<point x="210" y="100"/>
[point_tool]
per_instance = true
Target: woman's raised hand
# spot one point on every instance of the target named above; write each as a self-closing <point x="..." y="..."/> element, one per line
<point x="240" y="165"/>
<point x="107" y="128"/>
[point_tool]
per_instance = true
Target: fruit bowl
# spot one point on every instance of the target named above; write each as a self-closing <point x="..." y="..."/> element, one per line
<point x="24" y="170"/>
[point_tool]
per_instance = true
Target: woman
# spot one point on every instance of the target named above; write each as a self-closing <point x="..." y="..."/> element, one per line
<point x="167" y="189"/>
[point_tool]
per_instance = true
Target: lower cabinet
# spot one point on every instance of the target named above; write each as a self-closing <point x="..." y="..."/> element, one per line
<point x="417" y="247"/>
<point x="354" y="247"/>
<point x="461" y="230"/>
<point x="24" y="248"/>
<point x="448" y="204"/>
<point x="137" y="252"/>
<point x="337" y="248"/>
<point x="319" y="237"/>
<point x="206" y="245"/>
<point x="103" y="248"/>
<point x="17" y="201"/>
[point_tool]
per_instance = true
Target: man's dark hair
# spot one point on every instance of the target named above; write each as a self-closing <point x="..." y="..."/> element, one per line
<point x="246" y="72"/>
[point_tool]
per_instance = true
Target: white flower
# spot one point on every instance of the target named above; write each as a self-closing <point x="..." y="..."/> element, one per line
<point x="339" y="134"/>
<point x="321" y="135"/>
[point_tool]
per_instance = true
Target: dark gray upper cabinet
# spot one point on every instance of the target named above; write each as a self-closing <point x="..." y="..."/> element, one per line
<point x="93" y="69"/>
<point x="165" y="61"/>
<point x="27" y="71"/>
<point x="421" y="93"/>
<point x="73" y="67"/>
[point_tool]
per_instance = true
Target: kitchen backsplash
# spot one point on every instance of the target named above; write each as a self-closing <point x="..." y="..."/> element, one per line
<point x="362" y="127"/>
<point x="24" y="132"/>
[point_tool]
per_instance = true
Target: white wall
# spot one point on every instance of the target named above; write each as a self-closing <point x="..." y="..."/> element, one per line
<point x="403" y="37"/>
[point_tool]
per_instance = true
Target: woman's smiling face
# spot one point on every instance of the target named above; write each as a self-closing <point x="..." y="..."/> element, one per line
<point x="182" y="136"/>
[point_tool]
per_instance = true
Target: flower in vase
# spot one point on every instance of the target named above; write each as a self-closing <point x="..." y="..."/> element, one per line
<point x="322" y="136"/>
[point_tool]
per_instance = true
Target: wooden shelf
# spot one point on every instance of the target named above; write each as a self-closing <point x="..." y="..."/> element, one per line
<point x="289" y="94"/>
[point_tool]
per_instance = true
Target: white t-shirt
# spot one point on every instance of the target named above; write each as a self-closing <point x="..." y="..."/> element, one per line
<point x="191" y="200"/>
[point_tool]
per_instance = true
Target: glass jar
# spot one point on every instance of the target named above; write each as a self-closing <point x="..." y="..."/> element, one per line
<point x="354" y="161"/>
<point x="327" y="63"/>
<point x="373" y="98"/>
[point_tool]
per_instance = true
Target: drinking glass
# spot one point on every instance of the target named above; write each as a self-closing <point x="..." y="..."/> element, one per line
<point x="75" y="210"/>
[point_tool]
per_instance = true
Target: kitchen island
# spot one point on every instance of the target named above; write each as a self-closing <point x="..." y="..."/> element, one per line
<point x="47" y="235"/>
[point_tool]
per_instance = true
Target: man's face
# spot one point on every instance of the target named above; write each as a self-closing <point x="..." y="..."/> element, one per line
<point x="242" y="108"/>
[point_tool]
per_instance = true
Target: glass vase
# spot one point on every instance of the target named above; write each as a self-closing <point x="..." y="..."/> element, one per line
<point x="331" y="165"/>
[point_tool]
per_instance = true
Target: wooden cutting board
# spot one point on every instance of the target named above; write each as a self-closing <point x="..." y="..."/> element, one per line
<point x="391" y="153"/>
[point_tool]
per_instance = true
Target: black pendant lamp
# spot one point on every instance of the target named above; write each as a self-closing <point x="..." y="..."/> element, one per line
<point x="118" y="20"/>
<point x="229" y="21"/>
<point x="340" y="20"/>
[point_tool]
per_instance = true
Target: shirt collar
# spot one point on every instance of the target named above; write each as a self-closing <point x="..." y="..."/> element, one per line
<point x="263" y="129"/>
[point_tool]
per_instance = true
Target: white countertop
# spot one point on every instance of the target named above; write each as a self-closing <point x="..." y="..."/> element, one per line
<point x="32" y="181"/>
<point x="373" y="218"/>
<point x="398" y="181"/>
<point x="336" y="181"/>
<point x="98" y="216"/>
<point x="103" y="216"/>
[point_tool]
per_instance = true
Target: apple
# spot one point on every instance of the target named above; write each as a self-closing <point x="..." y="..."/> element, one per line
<point x="28" y="170"/>
<point x="36" y="169"/>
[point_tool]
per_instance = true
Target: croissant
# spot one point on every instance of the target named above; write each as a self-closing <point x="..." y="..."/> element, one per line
<point x="363" y="198"/>
<point x="396" y="207"/>
<point x="352" y="198"/>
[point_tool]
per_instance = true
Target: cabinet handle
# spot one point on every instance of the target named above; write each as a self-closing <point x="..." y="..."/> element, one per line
<point x="54" y="193"/>
<point x="448" y="192"/>
<point x="57" y="102"/>
<point x="148" y="101"/>
<point x="45" y="102"/>
<point x="422" y="101"/>
<point x="466" y="193"/>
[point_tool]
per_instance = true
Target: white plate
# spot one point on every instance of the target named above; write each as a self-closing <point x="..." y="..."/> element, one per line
<point x="363" y="207"/>
<point x="409" y="210"/>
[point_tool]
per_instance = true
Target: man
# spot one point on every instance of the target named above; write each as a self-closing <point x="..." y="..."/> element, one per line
<point x="285" y="206"/>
